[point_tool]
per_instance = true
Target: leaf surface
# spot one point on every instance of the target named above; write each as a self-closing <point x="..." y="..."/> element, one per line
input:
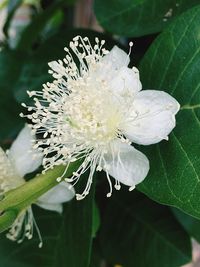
<point x="139" y="17"/>
<point x="172" y="64"/>
<point x="138" y="232"/>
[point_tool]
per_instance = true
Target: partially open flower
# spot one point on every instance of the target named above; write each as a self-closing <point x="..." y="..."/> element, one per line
<point x="94" y="110"/>
<point x="14" y="165"/>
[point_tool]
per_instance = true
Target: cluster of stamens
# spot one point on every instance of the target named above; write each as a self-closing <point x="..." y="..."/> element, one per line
<point x="24" y="224"/>
<point x="75" y="116"/>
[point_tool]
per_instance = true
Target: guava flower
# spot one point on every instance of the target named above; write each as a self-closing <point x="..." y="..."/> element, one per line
<point x="94" y="110"/>
<point x="14" y="165"/>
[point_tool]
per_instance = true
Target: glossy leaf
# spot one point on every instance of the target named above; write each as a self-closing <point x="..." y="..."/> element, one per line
<point x="138" y="232"/>
<point x="138" y="18"/>
<point x="172" y="64"/>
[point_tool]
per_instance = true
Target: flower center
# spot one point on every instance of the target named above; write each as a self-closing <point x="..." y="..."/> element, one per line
<point x="88" y="118"/>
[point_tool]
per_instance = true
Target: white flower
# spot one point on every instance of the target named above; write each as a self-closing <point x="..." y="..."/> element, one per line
<point x="14" y="164"/>
<point x="94" y="110"/>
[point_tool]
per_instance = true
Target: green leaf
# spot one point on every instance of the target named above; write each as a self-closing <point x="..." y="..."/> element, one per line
<point x="191" y="225"/>
<point x="138" y="232"/>
<point x="67" y="239"/>
<point x="172" y="64"/>
<point x="78" y="233"/>
<point x="139" y="17"/>
<point x="27" y="254"/>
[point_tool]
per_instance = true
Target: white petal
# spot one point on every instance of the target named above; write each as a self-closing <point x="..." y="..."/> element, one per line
<point x="117" y="58"/>
<point x="152" y="117"/>
<point x="126" y="81"/>
<point x="109" y="66"/>
<point x="55" y="196"/>
<point x="53" y="207"/>
<point x="126" y="164"/>
<point x="20" y="153"/>
<point x="8" y="177"/>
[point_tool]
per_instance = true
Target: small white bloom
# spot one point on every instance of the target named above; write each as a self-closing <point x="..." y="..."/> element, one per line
<point x="14" y="164"/>
<point x="94" y="110"/>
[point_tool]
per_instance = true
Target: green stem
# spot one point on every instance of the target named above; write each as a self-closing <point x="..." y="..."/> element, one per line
<point x="18" y="199"/>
